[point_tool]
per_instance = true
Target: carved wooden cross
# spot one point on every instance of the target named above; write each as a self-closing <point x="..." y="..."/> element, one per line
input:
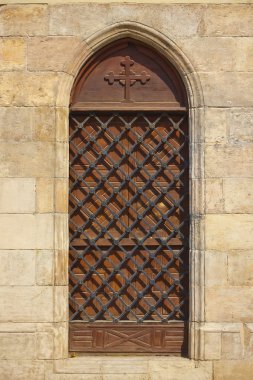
<point x="127" y="77"/>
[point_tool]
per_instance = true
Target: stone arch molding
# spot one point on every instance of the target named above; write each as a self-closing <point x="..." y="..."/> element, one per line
<point x="171" y="51"/>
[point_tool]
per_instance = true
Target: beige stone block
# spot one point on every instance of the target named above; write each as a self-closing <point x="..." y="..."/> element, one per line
<point x="247" y="334"/>
<point x="52" y="376"/>
<point x="17" y="267"/>
<point x="240" y="123"/>
<point x="224" y="161"/>
<point x="61" y="195"/>
<point x="216" y="264"/>
<point x="238" y="195"/>
<point x="27" y="159"/>
<point x="61" y="267"/>
<point x="51" y="53"/>
<point x="62" y="160"/>
<point x="23" y="20"/>
<point x="76" y="365"/>
<point x="231" y="347"/>
<point x="44" y="195"/>
<point x="12" y="53"/>
<point x="244" y="54"/>
<point x="14" y="327"/>
<point x="214" y="196"/>
<point x="26" y="231"/>
<point x="62" y="124"/>
<point x="228" y="20"/>
<point x="211" y="53"/>
<point x="216" y="125"/>
<point x="16" y="124"/>
<point x="229" y="231"/>
<point x="43" y="123"/>
<point x="61" y="340"/>
<point x="61" y="232"/>
<point x="233" y="370"/>
<point x="227" y="88"/>
<point x="230" y="304"/>
<point x="61" y="309"/>
<point x="17" y="195"/>
<point x="22" y="370"/>
<point x="171" y="369"/>
<point x="17" y="346"/>
<point x="127" y="376"/>
<point x="44" y="345"/>
<point x="28" y="89"/>
<point x="240" y="268"/>
<point x="44" y="267"/>
<point x="26" y="304"/>
<point x="130" y="366"/>
<point x="212" y="346"/>
<point x="72" y="19"/>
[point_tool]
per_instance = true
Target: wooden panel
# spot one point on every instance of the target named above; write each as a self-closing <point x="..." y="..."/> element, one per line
<point x="128" y="75"/>
<point x="170" y="338"/>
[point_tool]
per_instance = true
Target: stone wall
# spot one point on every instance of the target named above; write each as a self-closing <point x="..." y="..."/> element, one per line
<point x="41" y="49"/>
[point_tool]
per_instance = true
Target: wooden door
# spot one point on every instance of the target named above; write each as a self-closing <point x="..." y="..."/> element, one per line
<point x="128" y="209"/>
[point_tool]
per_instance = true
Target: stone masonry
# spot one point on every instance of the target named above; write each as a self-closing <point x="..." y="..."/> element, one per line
<point x="42" y="47"/>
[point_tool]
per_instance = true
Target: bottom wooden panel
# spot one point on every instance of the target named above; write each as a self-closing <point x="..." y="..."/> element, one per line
<point x="170" y="338"/>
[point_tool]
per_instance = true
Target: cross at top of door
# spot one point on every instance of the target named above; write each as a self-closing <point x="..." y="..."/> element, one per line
<point x="127" y="77"/>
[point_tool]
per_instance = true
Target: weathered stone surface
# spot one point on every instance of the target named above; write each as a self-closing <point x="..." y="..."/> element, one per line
<point x="240" y="125"/>
<point x="227" y="20"/>
<point x="61" y="195"/>
<point x="126" y="376"/>
<point x="245" y="54"/>
<point x="172" y="369"/>
<point x="61" y="340"/>
<point x="238" y="195"/>
<point x="43" y="120"/>
<point x="55" y="376"/>
<point x="231" y="346"/>
<point x="12" y="53"/>
<point x="214" y="196"/>
<point x="216" y="264"/>
<point x="61" y="267"/>
<point x="72" y="19"/>
<point x="212" y="345"/>
<point x="28" y="159"/>
<point x="234" y="161"/>
<point x="216" y="125"/>
<point x="62" y="160"/>
<point x="44" y="195"/>
<point x="26" y="303"/>
<point x="17" y="267"/>
<point x="16" y="124"/>
<point x="230" y="304"/>
<point x="61" y="312"/>
<point x="224" y="232"/>
<point x="44" y="345"/>
<point x="51" y="53"/>
<point x="23" y="20"/>
<point x="211" y="53"/>
<point x="31" y="231"/>
<point x="17" y="346"/>
<point x="233" y="370"/>
<point x="62" y="124"/>
<point x="17" y="195"/>
<point x="28" y="89"/>
<point x="240" y="268"/>
<point x="21" y="370"/>
<point x="44" y="267"/>
<point x="226" y="89"/>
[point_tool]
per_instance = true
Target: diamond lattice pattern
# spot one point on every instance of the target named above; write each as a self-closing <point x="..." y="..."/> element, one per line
<point x="128" y="212"/>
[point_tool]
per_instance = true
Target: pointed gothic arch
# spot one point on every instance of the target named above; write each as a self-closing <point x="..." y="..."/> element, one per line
<point x="170" y="51"/>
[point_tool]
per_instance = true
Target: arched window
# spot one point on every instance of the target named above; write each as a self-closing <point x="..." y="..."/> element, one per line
<point x="129" y="204"/>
